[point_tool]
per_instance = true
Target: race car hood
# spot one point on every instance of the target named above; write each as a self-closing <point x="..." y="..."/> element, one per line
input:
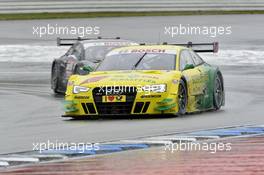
<point x="129" y="78"/>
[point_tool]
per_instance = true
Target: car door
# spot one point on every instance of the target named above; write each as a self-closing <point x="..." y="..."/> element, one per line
<point x="204" y="98"/>
<point x="191" y="73"/>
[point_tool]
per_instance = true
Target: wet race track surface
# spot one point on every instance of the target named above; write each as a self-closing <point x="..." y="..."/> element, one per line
<point x="30" y="112"/>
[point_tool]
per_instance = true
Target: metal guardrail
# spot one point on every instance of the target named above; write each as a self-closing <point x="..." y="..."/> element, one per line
<point x="35" y="6"/>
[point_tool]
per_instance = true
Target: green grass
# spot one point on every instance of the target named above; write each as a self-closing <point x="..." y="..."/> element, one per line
<point x="30" y="16"/>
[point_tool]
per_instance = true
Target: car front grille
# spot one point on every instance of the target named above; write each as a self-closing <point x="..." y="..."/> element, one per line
<point x="114" y="107"/>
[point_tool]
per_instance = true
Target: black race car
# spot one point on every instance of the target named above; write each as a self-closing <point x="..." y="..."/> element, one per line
<point x="83" y="56"/>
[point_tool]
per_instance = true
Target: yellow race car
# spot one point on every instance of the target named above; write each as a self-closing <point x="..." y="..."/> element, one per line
<point x="147" y="80"/>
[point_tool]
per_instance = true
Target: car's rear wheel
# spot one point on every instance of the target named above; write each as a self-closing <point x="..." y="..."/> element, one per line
<point x="218" y="92"/>
<point x="55" y="78"/>
<point x="182" y="98"/>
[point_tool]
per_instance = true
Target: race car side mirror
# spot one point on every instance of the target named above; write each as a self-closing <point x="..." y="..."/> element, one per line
<point x="87" y="68"/>
<point x="188" y="66"/>
<point x="97" y="61"/>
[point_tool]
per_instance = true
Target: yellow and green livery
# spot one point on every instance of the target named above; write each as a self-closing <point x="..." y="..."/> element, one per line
<point x="147" y="80"/>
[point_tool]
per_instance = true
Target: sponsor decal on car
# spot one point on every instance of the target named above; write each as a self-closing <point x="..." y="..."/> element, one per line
<point x="81" y="97"/>
<point x="123" y="43"/>
<point x="150" y="96"/>
<point x="113" y="98"/>
<point x="148" y="50"/>
<point x="133" y="79"/>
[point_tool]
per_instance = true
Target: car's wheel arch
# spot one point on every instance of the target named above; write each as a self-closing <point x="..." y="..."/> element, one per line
<point x="183" y="78"/>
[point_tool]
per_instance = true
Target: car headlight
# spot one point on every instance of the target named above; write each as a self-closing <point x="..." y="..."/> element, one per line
<point x="78" y="89"/>
<point x="155" y="88"/>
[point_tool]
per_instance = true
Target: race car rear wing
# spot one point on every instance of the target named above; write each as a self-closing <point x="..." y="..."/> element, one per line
<point x="71" y="41"/>
<point x="199" y="46"/>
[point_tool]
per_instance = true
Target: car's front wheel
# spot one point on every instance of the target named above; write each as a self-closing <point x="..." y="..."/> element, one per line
<point x="182" y="98"/>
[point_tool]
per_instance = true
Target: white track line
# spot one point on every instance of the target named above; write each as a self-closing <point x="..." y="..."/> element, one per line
<point x="169" y="139"/>
<point x="3" y="163"/>
<point x="261" y="126"/>
<point x="25" y="72"/>
<point x="24" y="90"/>
<point x="50" y="156"/>
<point x="24" y="84"/>
<point x="19" y="159"/>
<point x="197" y="137"/>
<point x="165" y="138"/>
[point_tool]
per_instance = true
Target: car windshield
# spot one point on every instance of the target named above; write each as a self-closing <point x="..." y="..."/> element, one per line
<point x="138" y="61"/>
<point x="97" y="53"/>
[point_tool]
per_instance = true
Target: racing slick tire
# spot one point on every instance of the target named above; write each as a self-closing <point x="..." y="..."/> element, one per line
<point x="218" y="92"/>
<point x="55" y="78"/>
<point x="182" y="97"/>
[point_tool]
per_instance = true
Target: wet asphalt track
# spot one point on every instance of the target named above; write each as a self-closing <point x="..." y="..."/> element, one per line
<point x="30" y="112"/>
